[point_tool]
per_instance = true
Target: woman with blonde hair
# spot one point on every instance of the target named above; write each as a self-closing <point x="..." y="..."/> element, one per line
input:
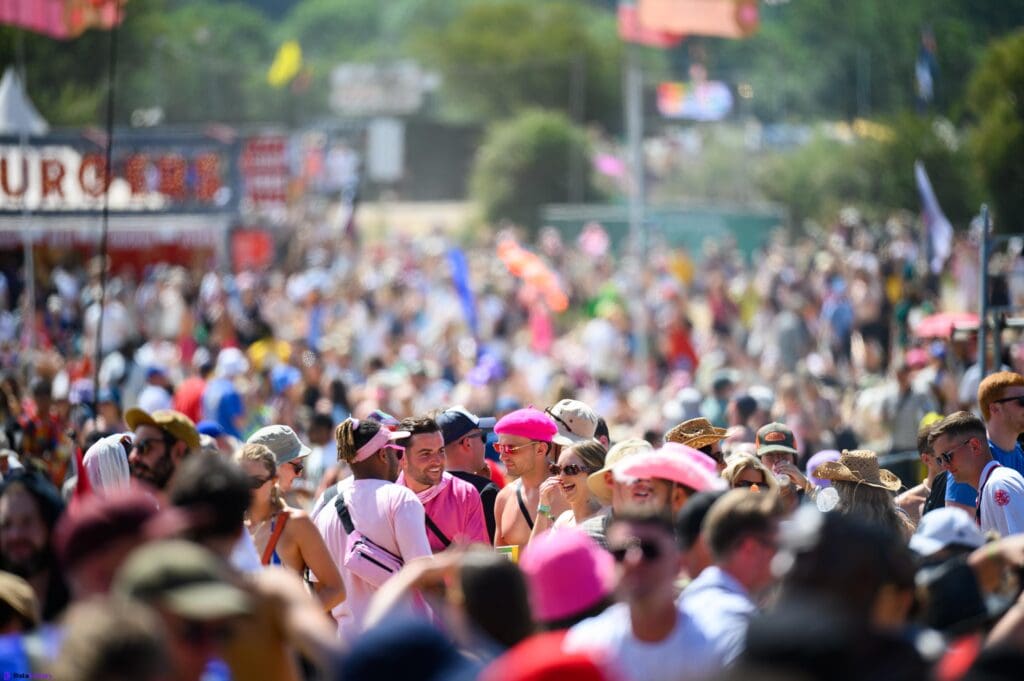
<point x="569" y="479"/>
<point x="746" y="470"/>
<point x="284" y="535"/>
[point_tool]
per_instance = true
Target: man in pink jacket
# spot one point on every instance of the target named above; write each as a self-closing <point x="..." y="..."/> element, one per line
<point x="454" y="513"/>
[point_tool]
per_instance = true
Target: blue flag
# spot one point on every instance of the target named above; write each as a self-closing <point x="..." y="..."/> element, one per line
<point x="460" y="278"/>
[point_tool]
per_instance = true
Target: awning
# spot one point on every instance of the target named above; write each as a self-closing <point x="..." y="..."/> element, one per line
<point x="125" y="231"/>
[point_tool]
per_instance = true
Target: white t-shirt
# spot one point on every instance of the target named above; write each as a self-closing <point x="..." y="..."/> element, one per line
<point x="1002" y="500"/>
<point x="686" y="653"/>
<point x="392" y="517"/>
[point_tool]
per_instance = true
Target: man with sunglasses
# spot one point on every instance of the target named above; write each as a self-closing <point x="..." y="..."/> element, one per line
<point x="526" y="448"/>
<point x="1001" y="403"/>
<point x="452" y="507"/>
<point x="464" y="447"/>
<point x="740" y="530"/>
<point x="961" y="445"/>
<point x="162" y="441"/>
<point x="645" y="635"/>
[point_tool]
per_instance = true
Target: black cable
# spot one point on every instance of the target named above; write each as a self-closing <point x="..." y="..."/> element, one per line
<point x="105" y="220"/>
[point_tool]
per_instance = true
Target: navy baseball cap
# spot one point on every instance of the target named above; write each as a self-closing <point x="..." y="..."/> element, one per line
<point x="455" y="422"/>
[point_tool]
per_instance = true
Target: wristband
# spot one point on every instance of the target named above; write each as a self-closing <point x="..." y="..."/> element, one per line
<point x="545" y="511"/>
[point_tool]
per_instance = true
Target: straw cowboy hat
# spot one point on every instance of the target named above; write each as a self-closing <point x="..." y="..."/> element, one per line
<point x="859" y="466"/>
<point x="695" y="433"/>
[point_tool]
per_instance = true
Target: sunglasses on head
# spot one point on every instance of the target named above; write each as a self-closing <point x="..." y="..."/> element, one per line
<point x="649" y="550"/>
<point x="1019" y="399"/>
<point x="571" y="469"/>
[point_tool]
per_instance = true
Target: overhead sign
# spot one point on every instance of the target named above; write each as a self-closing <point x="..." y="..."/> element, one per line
<point x="61" y="178"/>
<point x="378" y="89"/>
<point x="720" y="18"/>
<point x="707" y="101"/>
<point x="265" y="175"/>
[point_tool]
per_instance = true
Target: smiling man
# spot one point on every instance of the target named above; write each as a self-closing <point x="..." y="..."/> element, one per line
<point x="961" y="445"/>
<point x="454" y="513"/>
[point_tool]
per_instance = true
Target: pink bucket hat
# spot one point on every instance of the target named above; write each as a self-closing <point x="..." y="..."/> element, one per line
<point x="673" y="462"/>
<point x="533" y="424"/>
<point x="567" y="573"/>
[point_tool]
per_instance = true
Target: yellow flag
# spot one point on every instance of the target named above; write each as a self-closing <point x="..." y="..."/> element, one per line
<point x="287" y="64"/>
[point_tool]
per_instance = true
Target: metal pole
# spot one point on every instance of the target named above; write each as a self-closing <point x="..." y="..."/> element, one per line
<point x="28" y="321"/>
<point x="634" y="90"/>
<point x="983" y="302"/>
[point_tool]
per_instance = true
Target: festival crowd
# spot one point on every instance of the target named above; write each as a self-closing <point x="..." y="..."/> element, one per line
<point x="411" y="459"/>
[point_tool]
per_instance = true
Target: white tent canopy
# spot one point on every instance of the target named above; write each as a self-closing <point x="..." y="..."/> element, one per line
<point x="17" y="113"/>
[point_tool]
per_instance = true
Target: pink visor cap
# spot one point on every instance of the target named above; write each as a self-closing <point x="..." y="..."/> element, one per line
<point x="567" y="573"/>
<point x="382" y="437"/>
<point x="533" y="424"/>
<point x="676" y="463"/>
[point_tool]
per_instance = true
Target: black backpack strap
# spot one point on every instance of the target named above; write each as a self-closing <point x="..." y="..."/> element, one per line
<point x="346" y="518"/>
<point x="436" y="530"/>
<point x="522" y="504"/>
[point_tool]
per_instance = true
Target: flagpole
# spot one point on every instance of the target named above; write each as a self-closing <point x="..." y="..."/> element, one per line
<point x="28" y="329"/>
<point x="634" y="90"/>
<point x="983" y="292"/>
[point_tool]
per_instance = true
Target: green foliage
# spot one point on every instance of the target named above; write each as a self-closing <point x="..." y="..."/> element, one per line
<point x="877" y="175"/>
<point x="526" y="162"/>
<point x="997" y="145"/>
<point x="499" y="58"/>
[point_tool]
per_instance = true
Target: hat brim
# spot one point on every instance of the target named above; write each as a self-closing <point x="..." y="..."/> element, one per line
<point x="925" y="546"/>
<point x="304" y="451"/>
<point x="835" y="471"/>
<point x="136" y="417"/>
<point x="212" y="600"/>
<point x="567" y="439"/>
<point x="702" y="440"/>
<point x="599" y="487"/>
<point x="767" y="449"/>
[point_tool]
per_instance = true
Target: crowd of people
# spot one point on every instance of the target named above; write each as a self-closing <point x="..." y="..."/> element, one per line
<point x="354" y="465"/>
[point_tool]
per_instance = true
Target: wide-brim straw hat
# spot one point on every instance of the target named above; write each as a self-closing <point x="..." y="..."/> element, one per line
<point x="859" y="466"/>
<point x="696" y="433"/>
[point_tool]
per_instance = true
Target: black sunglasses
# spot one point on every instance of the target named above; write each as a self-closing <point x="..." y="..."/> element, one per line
<point x="649" y="550"/>
<point x="746" y="483"/>
<point x="1019" y="399"/>
<point x="571" y="469"/>
<point x="255" y="482"/>
<point x="144" y="446"/>
<point x="296" y="466"/>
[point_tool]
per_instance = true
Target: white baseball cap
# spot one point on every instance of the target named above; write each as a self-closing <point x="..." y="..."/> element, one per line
<point x="945" y="527"/>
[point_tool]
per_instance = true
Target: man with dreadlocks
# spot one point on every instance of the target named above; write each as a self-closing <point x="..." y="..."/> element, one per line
<point x="367" y="520"/>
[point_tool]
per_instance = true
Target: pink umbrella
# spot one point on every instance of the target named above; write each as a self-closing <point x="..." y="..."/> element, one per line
<point x="942" y="324"/>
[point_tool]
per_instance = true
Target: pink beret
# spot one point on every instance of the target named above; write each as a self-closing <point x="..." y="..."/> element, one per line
<point x="533" y="424"/>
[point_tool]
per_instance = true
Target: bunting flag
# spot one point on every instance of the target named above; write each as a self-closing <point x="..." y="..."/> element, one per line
<point x="61" y="19"/>
<point x="287" y="64"/>
<point x="939" y="229"/>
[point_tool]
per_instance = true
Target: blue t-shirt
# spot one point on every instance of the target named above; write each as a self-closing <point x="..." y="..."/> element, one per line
<point x="962" y="493"/>
<point x="222" y="403"/>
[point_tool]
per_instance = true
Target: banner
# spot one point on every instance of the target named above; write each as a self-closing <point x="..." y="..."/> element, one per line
<point x="718" y="18"/>
<point x="707" y="101"/>
<point x="61" y="19"/>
